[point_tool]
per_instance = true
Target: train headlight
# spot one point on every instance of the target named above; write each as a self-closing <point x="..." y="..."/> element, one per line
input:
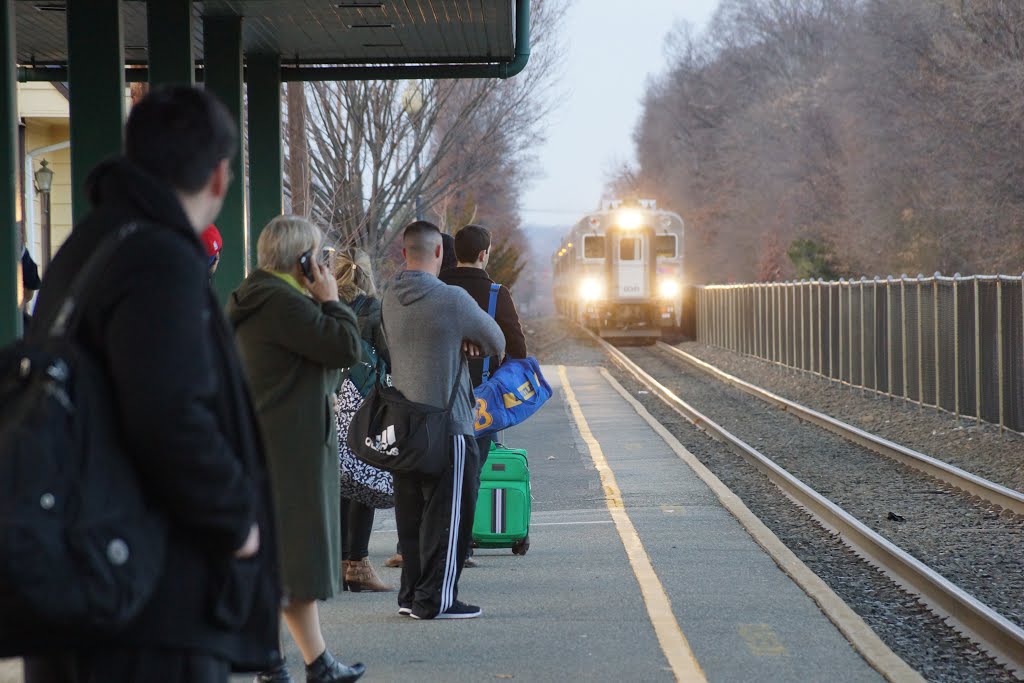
<point x="630" y="219"/>
<point x="668" y="289"/>
<point x="591" y="289"/>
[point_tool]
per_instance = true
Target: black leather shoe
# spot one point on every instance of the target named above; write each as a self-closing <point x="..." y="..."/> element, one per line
<point x="326" y="669"/>
<point x="279" y="674"/>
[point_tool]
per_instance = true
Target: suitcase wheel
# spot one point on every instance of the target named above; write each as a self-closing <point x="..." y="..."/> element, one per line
<point x="520" y="547"/>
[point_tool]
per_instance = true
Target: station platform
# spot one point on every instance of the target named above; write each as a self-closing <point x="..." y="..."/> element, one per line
<point x="662" y="584"/>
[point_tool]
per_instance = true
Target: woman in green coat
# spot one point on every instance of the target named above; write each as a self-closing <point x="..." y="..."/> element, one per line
<point x="295" y="336"/>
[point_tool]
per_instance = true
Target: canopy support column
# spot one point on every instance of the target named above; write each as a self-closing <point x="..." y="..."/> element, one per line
<point x="10" y="318"/>
<point x="222" y="47"/>
<point x="169" y="29"/>
<point x="266" y="180"/>
<point x="96" y="86"/>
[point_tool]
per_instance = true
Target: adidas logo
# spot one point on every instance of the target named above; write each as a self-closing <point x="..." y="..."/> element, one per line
<point x="384" y="442"/>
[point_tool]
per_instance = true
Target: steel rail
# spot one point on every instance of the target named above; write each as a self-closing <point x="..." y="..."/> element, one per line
<point x="998" y="636"/>
<point x="1004" y="497"/>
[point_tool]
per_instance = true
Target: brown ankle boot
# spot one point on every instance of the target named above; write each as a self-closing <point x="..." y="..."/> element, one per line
<point x="359" y="576"/>
<point x="394" y="561"/>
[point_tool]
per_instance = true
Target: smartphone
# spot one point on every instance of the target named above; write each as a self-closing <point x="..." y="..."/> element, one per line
<point x="306" y="264"/>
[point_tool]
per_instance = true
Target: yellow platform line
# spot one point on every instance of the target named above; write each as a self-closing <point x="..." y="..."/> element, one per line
<point x="659" y="608"/>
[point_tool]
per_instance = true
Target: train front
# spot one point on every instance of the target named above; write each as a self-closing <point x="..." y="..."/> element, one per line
<point x="627" y="272"/>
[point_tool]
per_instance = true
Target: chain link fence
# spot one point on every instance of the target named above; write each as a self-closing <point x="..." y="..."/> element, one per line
<point x="952" y="343"/>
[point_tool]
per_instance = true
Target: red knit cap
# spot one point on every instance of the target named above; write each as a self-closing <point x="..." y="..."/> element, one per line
<point x="211" y="240"/>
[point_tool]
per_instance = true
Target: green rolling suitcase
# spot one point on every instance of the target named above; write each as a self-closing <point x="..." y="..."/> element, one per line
<point x="503" y="505"/>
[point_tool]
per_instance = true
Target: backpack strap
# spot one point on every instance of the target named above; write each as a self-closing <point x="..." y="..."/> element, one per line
<point x="65" y="317"/>
<point x="492" y="307"/>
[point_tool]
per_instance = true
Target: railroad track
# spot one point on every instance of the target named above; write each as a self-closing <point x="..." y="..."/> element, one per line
<point x="993" y="632"/>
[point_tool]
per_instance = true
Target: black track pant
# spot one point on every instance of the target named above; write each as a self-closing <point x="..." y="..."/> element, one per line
<point x="434" y="516"/>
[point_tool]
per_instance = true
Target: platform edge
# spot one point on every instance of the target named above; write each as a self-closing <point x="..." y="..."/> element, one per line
<point x="861" y="636"/>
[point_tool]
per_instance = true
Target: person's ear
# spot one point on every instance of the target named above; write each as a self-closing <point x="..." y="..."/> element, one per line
<point x="438" y="251"/>
<point x="482" y="256"/>
<point x="404" y="255"/>
<point x="220" y="179"/>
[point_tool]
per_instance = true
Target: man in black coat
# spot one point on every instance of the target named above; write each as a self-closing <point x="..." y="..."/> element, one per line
<point x="183" y="402"/>
<point x="472" y="251"/>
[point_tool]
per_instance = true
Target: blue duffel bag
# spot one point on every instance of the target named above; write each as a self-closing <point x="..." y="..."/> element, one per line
<point x="515" y="391"/>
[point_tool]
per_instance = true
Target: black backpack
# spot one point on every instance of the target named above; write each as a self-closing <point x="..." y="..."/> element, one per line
<point x="80" y="550"/>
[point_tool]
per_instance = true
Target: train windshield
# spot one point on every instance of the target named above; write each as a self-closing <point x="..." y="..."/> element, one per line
<point x="629" y="249"/>
<point x="665" y="245"/>
<point x="593" y="246"/>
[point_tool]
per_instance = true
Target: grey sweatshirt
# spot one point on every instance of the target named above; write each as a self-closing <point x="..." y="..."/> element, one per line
<point x="425" y="322"/>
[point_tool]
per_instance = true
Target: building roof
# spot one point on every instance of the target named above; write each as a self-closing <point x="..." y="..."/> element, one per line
<point x="313" y="32"/>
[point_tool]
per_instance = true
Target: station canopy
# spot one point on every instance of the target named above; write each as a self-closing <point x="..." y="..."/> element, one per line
<point x="307" y="32"/>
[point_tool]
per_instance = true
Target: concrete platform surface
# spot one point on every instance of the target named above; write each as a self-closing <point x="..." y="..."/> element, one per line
<point x="572" y="608"/>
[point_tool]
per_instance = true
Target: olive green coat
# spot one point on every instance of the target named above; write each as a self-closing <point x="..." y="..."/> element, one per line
<point x="293" y="349"/>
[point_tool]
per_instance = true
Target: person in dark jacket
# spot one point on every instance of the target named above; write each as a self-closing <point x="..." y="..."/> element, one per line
<point x="472" y="251"/>
<point x="354" y="274"/>
<point x="185" y="412"/>
<point x="295" y="337"/>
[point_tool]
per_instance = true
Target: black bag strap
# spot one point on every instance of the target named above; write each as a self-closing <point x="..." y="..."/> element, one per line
<point x="457" y="382"/>
<point x="69" y="314"/>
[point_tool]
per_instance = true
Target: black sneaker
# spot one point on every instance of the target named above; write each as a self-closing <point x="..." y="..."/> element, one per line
<point x="405" y="611"/>
<point x="460" y="610"/>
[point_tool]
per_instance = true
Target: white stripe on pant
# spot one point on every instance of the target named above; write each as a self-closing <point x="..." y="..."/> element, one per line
<point x="451" y="562"/>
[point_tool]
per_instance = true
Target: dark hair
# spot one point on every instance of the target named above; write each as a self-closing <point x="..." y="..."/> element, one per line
<point x="179" y="134"/>
<point x="448" y="258"/>
<point x="470" y="241"/>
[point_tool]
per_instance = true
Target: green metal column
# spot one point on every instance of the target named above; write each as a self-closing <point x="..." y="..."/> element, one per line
<point x="265" y="157"/>
<point x="96" y="85"/>
<point x="10" y="319"/>
<point x="222" y="49"/>
<point x="169" y="29"/>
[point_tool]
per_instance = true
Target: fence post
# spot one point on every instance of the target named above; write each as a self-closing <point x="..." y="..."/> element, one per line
<point x="874" y="351"/>
<point x="938" y="347"/>
<point x="999" y="347"/>
<point x="849" y="316"/>
<point x="956" y="344"/>
<point x="862" y="353"/>
<point x="785" y="323"/>
<point x="888" y="329"/>
<point x="821" y="334"/>
<point x="920" y="347"/>
<point x="903" y="329"/>
<point x="977" y="351"/>
<point x="830" y="340"/>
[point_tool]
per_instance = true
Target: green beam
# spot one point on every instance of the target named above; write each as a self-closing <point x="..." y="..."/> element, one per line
<point x="96" y="85"/>
<point x="222" y="47"/>
<point x="266" y="179"/>
<point x="10" y="318"/>
<point x="169" y="29"/>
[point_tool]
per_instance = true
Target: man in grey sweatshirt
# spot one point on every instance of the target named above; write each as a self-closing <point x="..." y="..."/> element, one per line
<point x="429" y="326"/>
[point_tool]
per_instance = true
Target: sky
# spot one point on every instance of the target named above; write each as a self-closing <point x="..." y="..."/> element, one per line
<point x="611" y="50"/>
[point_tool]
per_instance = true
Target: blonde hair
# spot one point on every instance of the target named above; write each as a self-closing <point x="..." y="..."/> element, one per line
<point x="283" y="240"/>
<point x="354" y="273"/>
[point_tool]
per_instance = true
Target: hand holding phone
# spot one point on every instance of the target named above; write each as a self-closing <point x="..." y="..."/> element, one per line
<point x="322" y="284"/>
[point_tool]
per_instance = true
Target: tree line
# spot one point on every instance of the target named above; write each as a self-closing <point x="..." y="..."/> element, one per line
<point x="827" y="138"/>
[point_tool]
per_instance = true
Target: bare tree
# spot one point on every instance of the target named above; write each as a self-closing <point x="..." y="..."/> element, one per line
<point x="380" y="149"/>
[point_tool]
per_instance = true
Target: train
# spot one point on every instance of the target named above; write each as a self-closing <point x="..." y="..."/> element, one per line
<point x="619" y="271"/>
